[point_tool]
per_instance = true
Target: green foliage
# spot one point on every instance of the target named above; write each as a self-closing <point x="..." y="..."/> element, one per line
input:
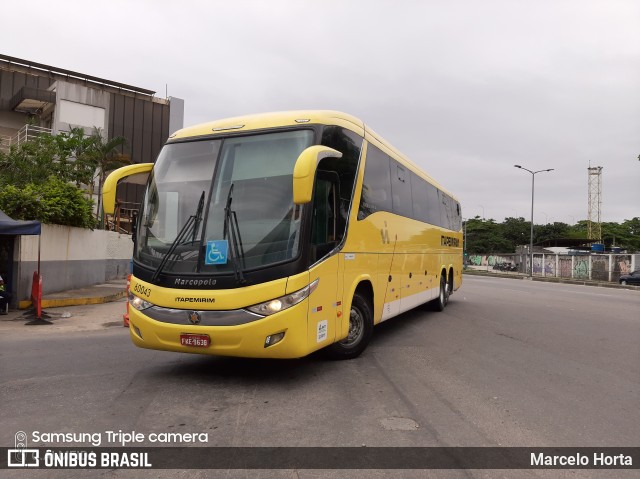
<point x="485" y="237"/>
<point x="27" y="169"/>
<point x="625" y="235"/>
<point x="54" y="201"/>
<point x="66" y="156"/>
<point x="489" y="237"/>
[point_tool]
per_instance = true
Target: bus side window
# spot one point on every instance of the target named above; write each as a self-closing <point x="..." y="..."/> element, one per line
<point x="376" y="187"/>
<point x="349" y="144"/>
<point x="419" y="198"/>
<point x="324" y="229"/>
<point x="400" y="190"/>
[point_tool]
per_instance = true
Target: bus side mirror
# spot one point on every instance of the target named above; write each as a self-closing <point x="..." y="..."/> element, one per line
<point x="110" y="184"/>
<point x="304" y="171"/>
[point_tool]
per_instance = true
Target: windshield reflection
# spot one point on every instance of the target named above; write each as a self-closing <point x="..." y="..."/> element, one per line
<point x="267" y="222"/>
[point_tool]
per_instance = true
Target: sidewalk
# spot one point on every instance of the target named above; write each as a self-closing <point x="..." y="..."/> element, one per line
<point x="96" y="294"/>
<point x="549" y="279"/>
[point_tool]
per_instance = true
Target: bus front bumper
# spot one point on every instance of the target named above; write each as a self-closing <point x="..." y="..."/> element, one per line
<point x="244" y="340"/>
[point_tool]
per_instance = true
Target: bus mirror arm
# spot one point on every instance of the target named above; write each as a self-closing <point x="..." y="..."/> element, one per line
<point x="304" y="171"/>
<point x="111" y="183"/>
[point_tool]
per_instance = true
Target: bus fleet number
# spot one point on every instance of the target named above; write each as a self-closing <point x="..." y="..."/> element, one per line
<point x="138" y="288"/>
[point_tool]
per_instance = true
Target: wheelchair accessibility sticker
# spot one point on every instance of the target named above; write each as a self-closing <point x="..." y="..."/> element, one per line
<point x="216" y="252"/>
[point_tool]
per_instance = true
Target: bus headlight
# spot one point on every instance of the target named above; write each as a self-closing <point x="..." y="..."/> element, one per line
<point x="138" y="303"/>
<point x="283" y="302"/>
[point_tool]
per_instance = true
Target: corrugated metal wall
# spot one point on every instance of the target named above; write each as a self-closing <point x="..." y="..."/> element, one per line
<point x="145" y="125"/>
<point x="136" y="116"/>
<point x="12" y="81"/>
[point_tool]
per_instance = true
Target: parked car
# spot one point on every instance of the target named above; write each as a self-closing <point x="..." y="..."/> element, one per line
<point x="631" y="278"/>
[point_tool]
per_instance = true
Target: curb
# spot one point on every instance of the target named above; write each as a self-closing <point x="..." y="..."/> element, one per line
<point x="61" y="302"/>
<point x="555" y="280"/>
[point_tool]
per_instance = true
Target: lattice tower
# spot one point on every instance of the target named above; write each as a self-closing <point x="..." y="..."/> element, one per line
<point x="594" y="225"/>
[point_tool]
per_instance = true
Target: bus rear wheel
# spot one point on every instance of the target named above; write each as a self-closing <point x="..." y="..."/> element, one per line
<point x="441" y="301"/>
<point x="360" y="331"/>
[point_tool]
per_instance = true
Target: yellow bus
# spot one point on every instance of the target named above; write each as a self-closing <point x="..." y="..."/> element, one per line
<point x="280" y="234"/>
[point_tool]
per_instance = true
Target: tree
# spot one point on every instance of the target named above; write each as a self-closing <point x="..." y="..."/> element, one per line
<point x="61" y="155"/>
<point x="69" y="157"/>
<point x="550" y="231"/>
<point x="53" y="201"/>
<point x="487" y="237"/>
<point x="517" y="231"/>
<point x="484" y="237"/>
<point x="103" y="155"/>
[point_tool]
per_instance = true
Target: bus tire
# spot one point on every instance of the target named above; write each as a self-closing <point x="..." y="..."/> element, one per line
<point x="441" y="301"/>
<point x="360" y="331"/>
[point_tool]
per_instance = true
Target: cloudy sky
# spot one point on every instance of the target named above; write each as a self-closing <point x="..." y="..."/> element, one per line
<point x="466" y="89"/>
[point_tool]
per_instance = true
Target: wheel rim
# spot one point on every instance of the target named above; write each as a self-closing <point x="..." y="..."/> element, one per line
<point x="624" y="283"/>
<point x="356" y="327"/>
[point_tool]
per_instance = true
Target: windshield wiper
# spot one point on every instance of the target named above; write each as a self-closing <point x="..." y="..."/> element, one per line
<point x="232" y="230"/>
<point x="190" y="227"/>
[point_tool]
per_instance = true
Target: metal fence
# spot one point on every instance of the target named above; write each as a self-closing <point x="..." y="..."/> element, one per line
<point x="24" y="134"/>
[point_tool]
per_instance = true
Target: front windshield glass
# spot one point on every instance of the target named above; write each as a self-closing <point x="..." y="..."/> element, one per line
<point x="181" y="174"/>
<point x="261" y="210"/>
<point x="267" y="223"/>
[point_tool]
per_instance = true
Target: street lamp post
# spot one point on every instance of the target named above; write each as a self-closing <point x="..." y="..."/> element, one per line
<point x="464" y="244"/>
<point x="533" y="179"/>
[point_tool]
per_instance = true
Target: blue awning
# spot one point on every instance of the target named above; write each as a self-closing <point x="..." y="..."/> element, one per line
<point x="9" y="226"/>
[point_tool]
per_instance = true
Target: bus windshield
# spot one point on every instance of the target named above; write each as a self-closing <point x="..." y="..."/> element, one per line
<point x="260" y="207"/>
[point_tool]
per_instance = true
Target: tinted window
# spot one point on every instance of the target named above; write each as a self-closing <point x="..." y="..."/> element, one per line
<point x="419" y="198"/>
<point x="376" y="188"/>
<point x="346" y="168"/>
<point x="433" y="205"/>
<point x="349" y="144"/>
<point x="445" y="214"/>
<point x="401" y="190"/>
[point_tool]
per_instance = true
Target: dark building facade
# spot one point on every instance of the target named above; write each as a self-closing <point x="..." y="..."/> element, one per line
<point x="37" y="98"/>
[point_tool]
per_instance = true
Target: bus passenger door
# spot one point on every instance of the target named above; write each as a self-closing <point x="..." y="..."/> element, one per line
<point x="324" y="301"/>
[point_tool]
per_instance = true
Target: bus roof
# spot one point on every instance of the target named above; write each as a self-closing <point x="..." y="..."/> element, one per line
<point x="272" y="120"/>
<point x="297" y="118"/>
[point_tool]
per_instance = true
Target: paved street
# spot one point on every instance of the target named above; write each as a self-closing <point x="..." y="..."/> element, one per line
<point x="509" y="362"/>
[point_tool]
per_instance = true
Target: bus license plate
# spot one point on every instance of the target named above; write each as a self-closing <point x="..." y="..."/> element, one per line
<point x="195" y="340"/>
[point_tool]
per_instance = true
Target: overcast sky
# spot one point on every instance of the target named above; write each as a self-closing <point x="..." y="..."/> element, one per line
<point x="466" y="89"/>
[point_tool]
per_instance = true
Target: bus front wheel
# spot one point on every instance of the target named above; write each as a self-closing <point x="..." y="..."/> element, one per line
<point x="360" y="331"/>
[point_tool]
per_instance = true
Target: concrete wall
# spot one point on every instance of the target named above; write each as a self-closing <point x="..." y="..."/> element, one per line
<point x="81" y="95"/>
<point x="176" y="114"/>
<point x="71" y="258"/>
<point x="597" y="267"/>
<point x="11" y="122"/>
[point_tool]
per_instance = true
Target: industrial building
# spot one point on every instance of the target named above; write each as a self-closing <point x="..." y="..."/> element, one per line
<point x="37" y="98"/>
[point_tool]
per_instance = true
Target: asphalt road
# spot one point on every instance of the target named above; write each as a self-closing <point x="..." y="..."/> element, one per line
<point x="509" y="362"/>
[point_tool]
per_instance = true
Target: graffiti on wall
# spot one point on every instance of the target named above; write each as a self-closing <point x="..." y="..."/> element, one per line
<point x="550" y="265"/>
<point x="548" y="262"/>
<point x="621" y="265"/>
<point x="603" y="267"/>
<point x="581" y="267"/>
<point x="565" y="267"/>
<point x="599" y="268"/>
<point x="537" y="264"/>
<point x="489" y="260"/>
